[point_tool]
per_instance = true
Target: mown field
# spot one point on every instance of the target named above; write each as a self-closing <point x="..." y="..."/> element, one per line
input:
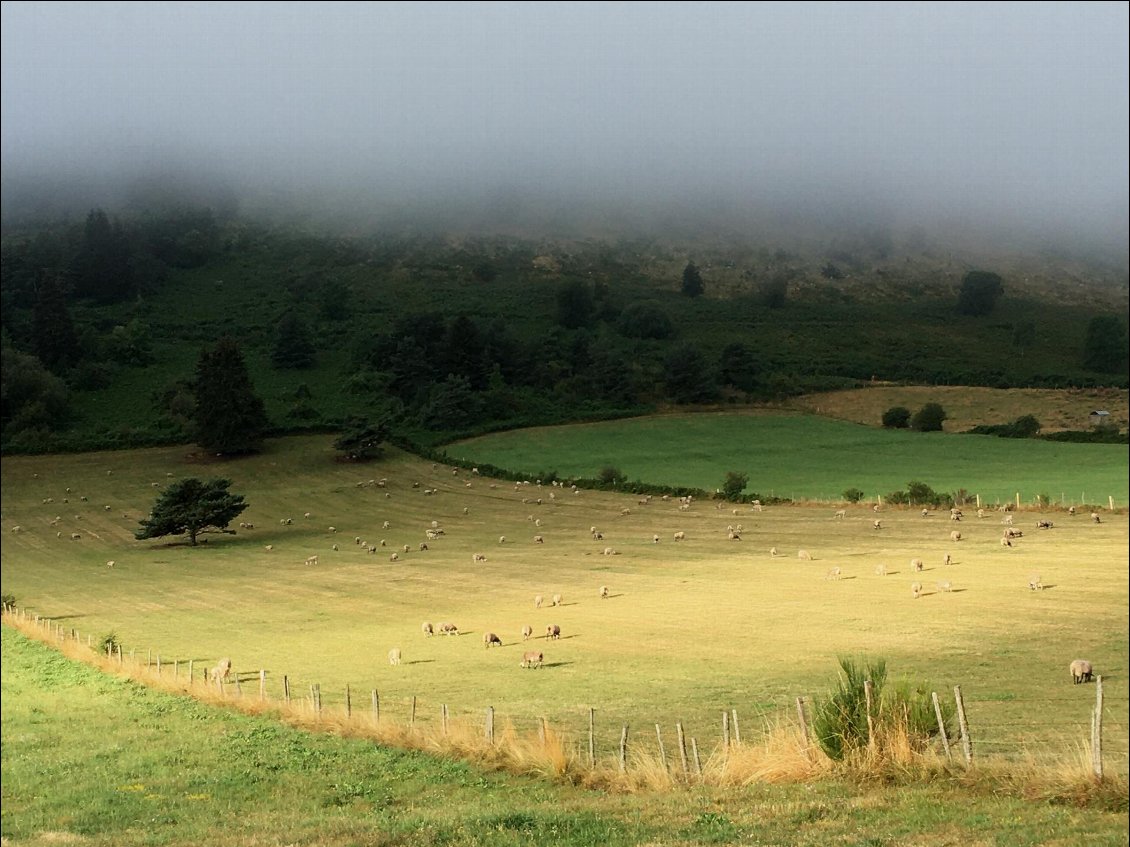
<point x="802" y="457"/>
<point x="690" y="628"/>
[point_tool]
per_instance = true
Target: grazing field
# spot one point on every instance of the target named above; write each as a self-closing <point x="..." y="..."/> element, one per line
<point x="809" y="457"/>
<point x="689" y="627"/>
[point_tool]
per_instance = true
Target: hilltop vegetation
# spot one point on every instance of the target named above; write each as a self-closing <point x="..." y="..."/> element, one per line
<point x="104" y="323"/>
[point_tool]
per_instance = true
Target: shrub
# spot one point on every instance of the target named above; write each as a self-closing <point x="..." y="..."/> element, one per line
<point x="8" y="601"/>
<point x="929" y="418"/>
<point x="109" y="643"/>
<point x="896" y="417"/>
<point x="734" y="485"/>
<point x="853" y="495"/>
<point x="610" y="475"/>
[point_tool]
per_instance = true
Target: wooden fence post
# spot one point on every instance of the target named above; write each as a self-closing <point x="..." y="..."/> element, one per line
<point x="725" y="730"/>
<point x="682" y="747"/>
<point x="623" y="748"/>
<point x="238" y="687"/>
<point x="191" y="678"/>
<point x="662" y="752"/>
<point x="286" y="689"/>
<point x="490" y="725"/>
<point x="734" y="726"/>
<point x="803" y="725"/>
<point x="348" y="703"/>
<point x="697" y="762"/>
<point x="443" y="719"/>
<point x="868" y="689"/>
<point x="176" y="668"/>
<point x="376" y="703"/>
<point x="262" y="684"/>
<point x="412" y="717"/>
<point x="1097" y="729"/>
<point x="941" y="723"/>
<point x="541" y="731"/>
<point x="966" y="743"/>
<point x="592" y="736"/>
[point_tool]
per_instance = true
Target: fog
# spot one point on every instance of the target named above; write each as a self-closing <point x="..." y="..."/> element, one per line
<point x="1006" y="116"/>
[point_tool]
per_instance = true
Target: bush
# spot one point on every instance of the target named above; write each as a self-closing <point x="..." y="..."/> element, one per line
<point x="734" y="485"/>
<point x="109" y="643"/>
<point x="853" y="495"/>
<point x="610" y="475"/>
<point x="920" y="494"/>
<point x="900" y="710"/>
<point x="896" y="417"/>
<point x="929" y="418"/>
<point x="8" y="601"/>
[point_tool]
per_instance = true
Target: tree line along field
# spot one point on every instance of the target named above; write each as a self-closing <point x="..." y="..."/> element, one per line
<point x="689" y="628"/>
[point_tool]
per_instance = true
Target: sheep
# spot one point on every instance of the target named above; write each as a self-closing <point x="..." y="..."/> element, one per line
<point x="840" y="514"/>
<point x="423" y="546"/>
<point x="604" y="592"/>
<point x="75" y="536"/>
<point x="490" y="640"/>
<point x="333" y="529"/>
<point x="537" y="522"/>
<point x="407" y="548"/>
<point x="532" y="659"/>
<point x="925" y="513"/>
<point x="1035" y="583"/>
<point x="269" y="547"/>
<point x="835" y="573"/>
<point x="539" y="539"/>
<point x="916" y="590"/>
<point x="980" y="513"/>
<point x="955" y="514"/>
<point x="625" y="512"/>
<point x="917" y="565"/>
<point x="502" y="539"/>
<point x="1005" y="541"/>
<point x="1009" y="532"/>
<point x="552" y="631"/>
<point x="357" y="539"/>
<point x="757" y="505"/>
<point x="655" y="539"/>
<point x="312" y="560"/>
<point x="527" y="631"/>
<point x="395" y="557"/>
<point x="394" y="656"/>
<point x="880" y="570"/>
<point x="537" y="601"/>
<point x="733" y="536"/>
<point x="945" y="585"/>
<point x="947" y="559"/>
<point x="955" y="536"/>
<point x="17" y="528"/>
<point x="556" y="599"/>
<point x="427" y="628"/>
<point x="478" y="557"/>
<point x="431" y="534"/>
<point x="1096" y="518"/>
<point x="307" y="516"/>
<point x="804" y="555"/>
<point x="1081" y="671"/>
<point x="878" y="524"/>
<point x="773" y="551"/>
<point x="1044" y="524"/>
<point x="609" y="551"/>
<point x="384" y="543"/>
<point x="221" y="671"/>
<point x="680" y="536"/>
<point x="1007" y="520"/>
<point x="447" y="628"/>
<point x="386" y="525"/>
<point x="110" y="563"/>
<point x="1071" y="510"/>
<point x="372" y="548"/>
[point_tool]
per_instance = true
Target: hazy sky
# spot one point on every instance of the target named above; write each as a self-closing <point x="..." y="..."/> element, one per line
<point x="1010" y="109"/>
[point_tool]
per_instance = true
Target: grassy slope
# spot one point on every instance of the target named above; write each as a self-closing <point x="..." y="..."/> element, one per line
<point x="809" y="457"/>
<point x="690" y="628"/>
<point x="89" y="759"/>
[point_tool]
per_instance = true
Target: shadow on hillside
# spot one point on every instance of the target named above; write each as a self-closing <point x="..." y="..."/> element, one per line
<point x="555" y="664"/>
<point x="420" y="662"/>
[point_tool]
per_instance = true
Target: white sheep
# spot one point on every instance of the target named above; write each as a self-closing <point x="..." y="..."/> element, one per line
<point x="538" y="601"/>
<point x="478" y="557"/>
<point x="880" y="570"/>
<point x="680" y="536"/>
<point x="604" y="592"/>
<point x="1035" y="583"/>
<point x="917" y="565"/>
<point x="527" y="631"/>
<point x="539" y="539"/>
<point x="395" y="557"/>
<point x="835" y="573"/>
<point x="312" y="560"/>
<point x="502" y="539"/>
<point x="916" y="590"/>
<point x="556" y="599"/>
<point x="804" y="555"/>
<point x="947" y="559"/>
<point x="427" y="628"/>
<point x="878" y="524"/>
<point x="840" y="514"/>
<point x="945" y="585"/>
<point x="394" y="656"/>
<point x="955" y="536"/>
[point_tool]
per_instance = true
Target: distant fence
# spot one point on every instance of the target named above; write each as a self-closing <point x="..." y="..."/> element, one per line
<point x="987" y="729"/>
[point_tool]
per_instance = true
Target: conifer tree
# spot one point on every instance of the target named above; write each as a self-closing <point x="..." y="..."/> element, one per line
<point x="230" y="418"/>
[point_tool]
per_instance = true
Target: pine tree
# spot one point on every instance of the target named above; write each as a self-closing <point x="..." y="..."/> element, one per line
<point x="191" y="506"/>
<point x="692" y="281"/>
<point x="293" y="347"/>
<point x="229" y="417"/>
<point x="56" y="342"/>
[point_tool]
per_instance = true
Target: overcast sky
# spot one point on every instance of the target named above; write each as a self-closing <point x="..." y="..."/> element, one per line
<point x="998" y="110"/>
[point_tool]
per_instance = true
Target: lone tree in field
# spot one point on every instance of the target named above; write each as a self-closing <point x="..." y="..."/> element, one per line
<point x="191" y="506"/>
<point x="229" y="417"/>
<point x="734" y="485"/>
<point x="362" y="440"/>
<point x="692" y="281"/>
<point x="929" y="418"/>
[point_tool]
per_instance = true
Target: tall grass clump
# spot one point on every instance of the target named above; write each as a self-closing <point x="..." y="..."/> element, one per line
<point x="902" y="721"/>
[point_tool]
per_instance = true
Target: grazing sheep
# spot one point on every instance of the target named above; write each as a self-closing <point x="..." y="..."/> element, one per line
<point x="1035" y="583"/>
<point x="916" y="590"/>
<point x="757" y="505"/>
<point x="384" y="543"/>
<point x="680" y="536"/>
<point x="556" y="599"/>
<point x="835" y="573"/>
<point x="880" y="570"/>
<point x="478" y="557"/>
<point x="357" y="539"/>
<point x="427" y="629"/>
<point x="955" y="536"/>
<point x="945" y="585"/>
<point x="312" y="560"/>
<point x="394" y="656"/>
<point x="773" y="551"/>
<point x="955" y="514"/>
<point x="917" y="565"/>
<point x="592" y="530"/>
<point x="733" y="536"/>
<point x="269" y="547"/>
<point x="502" y="539"/>
<point x="537" y="522"/>
<point x="490" y="639"/>
<point x="1007" y="520"/>
<point x="333" y="529"/>
<point x="625" y="511"/>
<point x="447" y="628"/>
<point x="1044" y="524"/>
<point x="221" y="671"/>
<point x="925" y="513"/>
<point x="604" y="592"/>
<point x="1006" y="541"/>
<point x="539" y="540"/>
<point x="1009" y="532"/>
<point x="75" y="536"/>
<point x="532" y="659"/>
<point x="423" y="546"/>
<point x="372" y="548"/>
<point x="307" y="515"/>
<point x="608" y="551"/>
<point x="1095" y="517"/>
<point x="527" y="631"/>
<point x="553" y="631"/>
<point x="110" y="563"/>
<point x="878" y="524"/>
<point x="947" y="559"/>
<point x="1071" y="510"/>
<point x="804" y="554"/>
<point x="840" y="514"/>
<point x="655" y="539"/>
<point x="980" y="513"/>
<point x="395" y="557"/>
<point x="537" y="601"/>
<point x="17" y="528"/>
<point x="1081" y="671"/>
<point x="407" y="548"/>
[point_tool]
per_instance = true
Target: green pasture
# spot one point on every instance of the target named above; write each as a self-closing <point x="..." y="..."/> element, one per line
<point x="690" y="628"/>
<point x="803" y="457"/>
<point x="90" y="759"/>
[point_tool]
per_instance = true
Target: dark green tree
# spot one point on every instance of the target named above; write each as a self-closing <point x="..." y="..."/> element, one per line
<point x="192" y="506"/>
<point x="451" y="404"/>
<point x="687" y="376"/>
<point x="896" y="417"/>
<point x="645" y="320"/>
<point x="737" y="367"/>
<point x="575" y="305"/>
<point x="132" y="343"/>
<point x="56" y="342"/>
<point x="1105" y="347"/>
<point x="102" y="268"/>
<point x="293" y="347"/>
<point x="692" y="281"/>
<point x="929" y="418"/>
<point x="734" y="484"/>
<point x="230" y="418"/>
<point x="464" y="352"/>
<point x="31" y="397"/>
<point x="980" y="291"/>
<point x="362" y="439"/>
